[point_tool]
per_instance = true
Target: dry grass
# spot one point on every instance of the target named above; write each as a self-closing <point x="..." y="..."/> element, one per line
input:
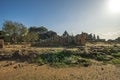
<point x="34" y="72"/>
<point x="9" y="49"/>
<point x="102" y="44"/>
<point x="11" y="70"/>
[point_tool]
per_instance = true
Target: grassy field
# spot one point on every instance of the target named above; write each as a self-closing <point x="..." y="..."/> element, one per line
<point x="103" y="63"/>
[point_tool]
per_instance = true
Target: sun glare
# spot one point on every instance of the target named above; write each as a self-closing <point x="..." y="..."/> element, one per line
<point x="114" y="6"/>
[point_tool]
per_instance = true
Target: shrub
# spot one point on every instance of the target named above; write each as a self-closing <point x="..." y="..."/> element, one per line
<point x="59" y="59"/>
<point x="113" y="50"/>
<point x="37" y="60"/>
<point x="86" y="55"/>
<point x="66" y="53"/>
<point x="117" y="55"/>
<point x="84" y="62"/>
<point x="115" y="61"/>
<point x="100" y="57"/>
<point x="107" y="51"/>
<point x="71" y="60"/>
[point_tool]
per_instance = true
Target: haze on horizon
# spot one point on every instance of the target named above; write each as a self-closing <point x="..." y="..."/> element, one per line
<point x="100" y="17"/>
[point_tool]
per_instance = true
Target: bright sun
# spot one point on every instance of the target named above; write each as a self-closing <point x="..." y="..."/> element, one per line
<point x="114" y="6"/>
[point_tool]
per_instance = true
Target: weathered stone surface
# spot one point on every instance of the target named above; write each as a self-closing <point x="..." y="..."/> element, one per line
<point x="80" y="40"/>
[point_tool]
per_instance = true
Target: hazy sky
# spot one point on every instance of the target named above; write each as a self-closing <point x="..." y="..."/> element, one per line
<point x="93" y="16"/>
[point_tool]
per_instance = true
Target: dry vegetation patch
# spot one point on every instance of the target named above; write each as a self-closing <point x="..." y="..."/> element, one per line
<point x="21" y="68"/>
<point x="34" y="72"/>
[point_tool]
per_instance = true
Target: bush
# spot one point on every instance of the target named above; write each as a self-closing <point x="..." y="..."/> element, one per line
<point x="113" y="50"/>
<point x="84" y="62"/>
<point x="59" y="59"/>
<point x="86" y="55"/>
<point x="71" y="60"/>
<point x="107" y="51"/>
<point x="37" y="60"/>
<point x="56" y="57"/>
<point x="116" y="55"/>
<point x="100" y="57"/>
<point x="115" y="61"/>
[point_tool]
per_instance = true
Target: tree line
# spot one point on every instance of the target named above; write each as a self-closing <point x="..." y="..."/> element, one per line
<point x="15" y="32"/>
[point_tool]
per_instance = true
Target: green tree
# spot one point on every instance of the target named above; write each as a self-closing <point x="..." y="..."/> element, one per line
<point x="2" y="34"/>
<point x="31" y="37"/>
<point x="94" y="37"/>
<point x="22" y="33"/>
<point x="14" y="30"/>
<point x="11" y="30"/>
<point x="98" y="37"/>
<point x="38" y="30"/>
<point x="42" y="29"/>
<point x="65" y="34"/>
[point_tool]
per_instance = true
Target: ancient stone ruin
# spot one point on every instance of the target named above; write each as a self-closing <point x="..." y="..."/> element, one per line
<point x="80" y="39"/>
